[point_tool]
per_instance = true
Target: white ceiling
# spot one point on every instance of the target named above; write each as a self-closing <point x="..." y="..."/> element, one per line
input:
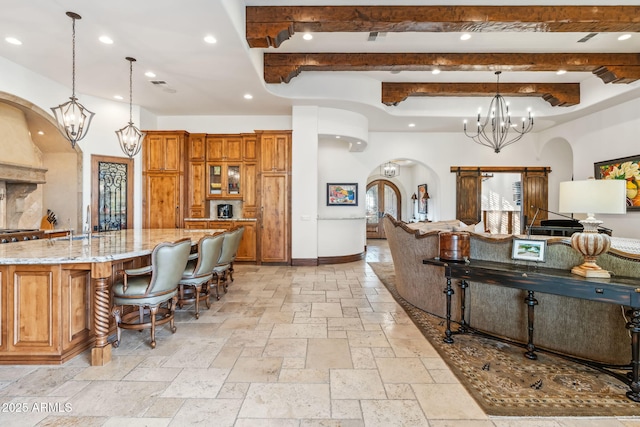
<point x="166" y="37"/>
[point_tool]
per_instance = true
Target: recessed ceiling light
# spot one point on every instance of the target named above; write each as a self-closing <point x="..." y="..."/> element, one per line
<point x="210" y="39"/>
<point x="13" y="40"/>
<point x="150" y="74"/>
<point x="624" y="37"/>
<point x="248" y="96"/>
<point x="435" y="71"/>
<point x="118" y="97"/>
<point x="412" y="125"/>
<point x="40" y="132"/>
<point x="106" y="39"/>
<point x="337" y="136"/>
<point x="307" y="36"/>
<point x="465" y="36"/>
<point x="561" y="72"/>
<point x="359" y="142"/>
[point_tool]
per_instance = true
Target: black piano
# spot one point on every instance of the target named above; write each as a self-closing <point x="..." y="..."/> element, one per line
<point x="561" y="227"/>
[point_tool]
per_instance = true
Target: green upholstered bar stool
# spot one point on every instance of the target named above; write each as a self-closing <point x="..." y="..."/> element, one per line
<point x="196" y="278"/>
<point x="151" y="290"/>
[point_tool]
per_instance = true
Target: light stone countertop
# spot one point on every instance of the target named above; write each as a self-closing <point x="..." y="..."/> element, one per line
<point x="108" y="246"/>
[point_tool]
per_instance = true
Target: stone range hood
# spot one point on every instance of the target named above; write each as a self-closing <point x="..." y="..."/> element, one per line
<point x="12" y="173"/>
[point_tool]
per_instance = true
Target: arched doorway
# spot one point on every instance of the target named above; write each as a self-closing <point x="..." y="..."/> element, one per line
<point x="383" y="197"/>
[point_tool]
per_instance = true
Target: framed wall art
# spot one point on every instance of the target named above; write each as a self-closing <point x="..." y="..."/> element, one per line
<point x="625" y="168"/>
<point x="529" y="250"/>
<point x="342" y="194"/>
<point x="423" y="196"/>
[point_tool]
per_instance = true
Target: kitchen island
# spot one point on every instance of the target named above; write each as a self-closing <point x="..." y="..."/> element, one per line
<point x="55" y="294"/>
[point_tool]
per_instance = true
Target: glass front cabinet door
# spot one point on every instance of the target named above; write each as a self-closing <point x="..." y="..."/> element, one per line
<point x="224" y="181"/>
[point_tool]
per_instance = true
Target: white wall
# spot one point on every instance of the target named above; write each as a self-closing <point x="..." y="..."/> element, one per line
<point x="606" y="135"/>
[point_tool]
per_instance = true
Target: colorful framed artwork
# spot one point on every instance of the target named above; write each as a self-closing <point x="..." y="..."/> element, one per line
<point x="342" y="194"/>
<point x="422" y="200"/>
<point x="625" y="168"/>
<point x="529" y="250"/>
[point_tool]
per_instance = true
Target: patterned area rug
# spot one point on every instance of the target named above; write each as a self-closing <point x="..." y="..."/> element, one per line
<point x="504" y="382"/>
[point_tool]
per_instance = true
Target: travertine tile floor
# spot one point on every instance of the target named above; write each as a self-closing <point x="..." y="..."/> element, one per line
<point x="286" y="346"/>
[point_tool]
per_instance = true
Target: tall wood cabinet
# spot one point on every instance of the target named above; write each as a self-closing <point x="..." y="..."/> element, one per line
<point x="197" y="206"/>
<point x="274" y="215"/>
<point x="163" y="179"/>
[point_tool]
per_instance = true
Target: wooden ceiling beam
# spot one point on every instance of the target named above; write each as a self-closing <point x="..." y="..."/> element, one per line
<point x="610" y="67"/>
<point x="270" y="26"/>
<point x="556" y="94"/>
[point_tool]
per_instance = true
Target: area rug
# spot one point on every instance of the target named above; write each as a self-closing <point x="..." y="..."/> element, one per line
<point x="505" y="383"/>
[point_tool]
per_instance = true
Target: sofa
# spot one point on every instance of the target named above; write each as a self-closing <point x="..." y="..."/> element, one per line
<point x="580" y="328"/>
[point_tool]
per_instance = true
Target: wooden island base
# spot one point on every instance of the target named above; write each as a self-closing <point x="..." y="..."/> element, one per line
<point x="55" y="297"/>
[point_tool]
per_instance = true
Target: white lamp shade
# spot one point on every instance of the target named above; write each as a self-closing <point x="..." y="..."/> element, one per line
<point x="605" y="196"/>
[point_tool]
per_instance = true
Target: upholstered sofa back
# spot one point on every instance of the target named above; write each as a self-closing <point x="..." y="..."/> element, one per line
<point x="567" y="325"/>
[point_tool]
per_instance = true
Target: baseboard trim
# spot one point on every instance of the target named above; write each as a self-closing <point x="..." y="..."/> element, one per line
<point x="304" y="262"/>
<point x="341" y="259"/>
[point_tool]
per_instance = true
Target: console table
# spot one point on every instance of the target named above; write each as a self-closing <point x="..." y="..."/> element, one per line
<point x="616" y="290"/>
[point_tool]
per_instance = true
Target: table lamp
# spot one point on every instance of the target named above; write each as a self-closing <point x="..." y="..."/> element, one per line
<point x="606" y="196"/>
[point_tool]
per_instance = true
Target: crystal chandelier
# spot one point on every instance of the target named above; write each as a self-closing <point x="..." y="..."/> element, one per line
<point x="494" y="131"/>
<point x="72" y="118"/>
<point x="130" y="137"/>
<point x="390" y="169"/>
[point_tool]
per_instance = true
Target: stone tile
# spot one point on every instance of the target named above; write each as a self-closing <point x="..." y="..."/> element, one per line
<point x="218" y="412"/>
<point x="285" y="347"/>
<point x="447" y="401"/>
<point x="70" y="421"/>
<point x="362" y="358"/>
<point x="286" y="401"/>
<point x="403" y="370"/>
<point x="328" y="354"/>
<point x="124" y="399"/>
<point x="164" y="407"/>
<point x="195" y="383"/>
<point x="391" y="413"/>
<point x="413" y="347"/>
<point x="298" y="331"/>
<point x="326" y="309"/>
<point x="367" y="339"/>
<point x="258" y="369"/>
<point x="356" y="384"/>
<point x="346" y="409"/>
<point x="304" y="376"/>
<point x="399" y="391"/>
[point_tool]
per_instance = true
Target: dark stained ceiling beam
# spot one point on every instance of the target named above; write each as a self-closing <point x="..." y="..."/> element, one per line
<point x="610" y="67"/>
<point x="556" y="94"/>
<point x="270" y="26"/>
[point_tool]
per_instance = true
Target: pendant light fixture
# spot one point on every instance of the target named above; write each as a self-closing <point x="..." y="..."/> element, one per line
<point x="390" y="169"/>
<point x="72" y="118"/>
<point x="494" y="131"/>
<point x="130" y="137"/>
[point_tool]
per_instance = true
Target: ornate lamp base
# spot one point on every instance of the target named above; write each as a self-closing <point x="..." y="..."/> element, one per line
<point x="590" y="244"/>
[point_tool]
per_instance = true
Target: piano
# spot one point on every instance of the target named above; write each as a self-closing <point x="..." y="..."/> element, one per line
<point x="561" y="227"/>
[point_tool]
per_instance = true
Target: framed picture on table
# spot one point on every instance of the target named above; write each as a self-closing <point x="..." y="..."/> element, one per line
<point x="529" y="250"/>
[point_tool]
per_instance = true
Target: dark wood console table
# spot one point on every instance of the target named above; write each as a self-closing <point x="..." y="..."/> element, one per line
<point x="622" y="291"/>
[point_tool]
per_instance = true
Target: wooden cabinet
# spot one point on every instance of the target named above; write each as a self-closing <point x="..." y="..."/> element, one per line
<point x="196" y="177"/>
<point x="250" y="191"/>
<point x="250" y="142"/>
<point x="224" y="180"/>
<point x="195" y="225"/>
<point x="274" y="214"/>
<point x="224" y="148"/>
<point x="275" y="149"/>
<point x="161" y="201"/>
<point x="163" y="155"/>
<point x="274" y="218"/>
<point x="196" y="147"/>
<point x="162" y="151"/>
<point x="247" y="249"/>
